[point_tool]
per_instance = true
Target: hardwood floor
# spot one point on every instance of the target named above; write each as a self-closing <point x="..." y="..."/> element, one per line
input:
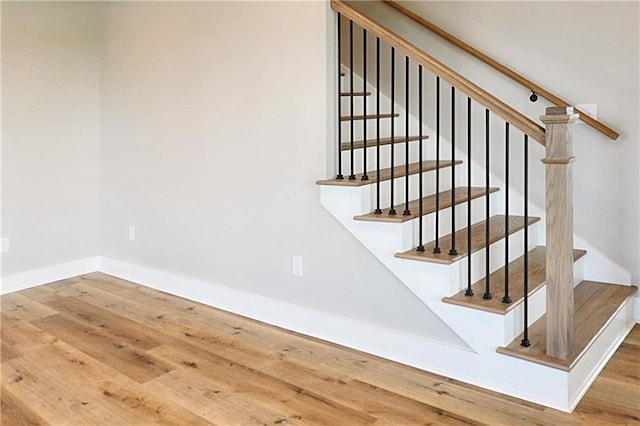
<point x="98" y="350"/>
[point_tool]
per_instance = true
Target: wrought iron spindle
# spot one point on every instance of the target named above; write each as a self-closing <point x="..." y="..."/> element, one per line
<point x="406" y="212"/>
<point x="453" y="251"/>
<point x="436" y="249"/>
<point x="487" y="290"/>
<point x="392" y="210"/>
<point x="378" y="210"/>
<point x="469" y="291"/>
<point x="506" y="298"/>
<point x="420" y="212"/>
<point x="339" y="175"/>
<point x="352" y="176"/>
<point x="365" y="176"/>
<point x="525" y="338"/>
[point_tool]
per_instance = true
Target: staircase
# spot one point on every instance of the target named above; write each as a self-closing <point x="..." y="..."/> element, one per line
<point x="456" y="229"/>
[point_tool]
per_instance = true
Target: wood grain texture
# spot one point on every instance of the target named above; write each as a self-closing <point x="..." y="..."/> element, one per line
<point x="498" y="107"/>
<point x="478" y="240"/>
<point x="368" y="116"/>
<point x="595" y="304"/>
<point x="559" y="231"/>
<point x="224" y="369"/>
<point x="371" y="143"/>
<point x="536" y="276"/>
<point x="350" y="94"/>
<point x="462" y="195"/>
<point x="385" y="174"/>
<point x="601" y="127"/>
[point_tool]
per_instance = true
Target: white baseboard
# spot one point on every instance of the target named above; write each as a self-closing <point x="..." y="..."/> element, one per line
<point x="48" y="274"/>
<point x="391" y="344"/>
<point x="636" y="308"/>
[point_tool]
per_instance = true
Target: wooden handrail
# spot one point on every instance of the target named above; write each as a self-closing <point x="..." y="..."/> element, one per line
<point x="502" y="68"/>
<point x="507" y="113"/>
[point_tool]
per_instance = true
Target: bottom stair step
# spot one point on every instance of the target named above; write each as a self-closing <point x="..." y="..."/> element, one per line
<point x="595" y="304"/>
<point x="537" y="276"/>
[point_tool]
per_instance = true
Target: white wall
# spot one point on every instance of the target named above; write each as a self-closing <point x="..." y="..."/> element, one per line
<point x="214" y="130"/>
<point x="50" y="133"/>
<point x="585" y="52"/>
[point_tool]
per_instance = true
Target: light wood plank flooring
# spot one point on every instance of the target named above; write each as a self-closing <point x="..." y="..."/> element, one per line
<point x="97" y="350"/>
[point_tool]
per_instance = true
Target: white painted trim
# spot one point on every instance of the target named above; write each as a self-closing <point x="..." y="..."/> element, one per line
<point x="447" y="360"/>
<point x="48" y="274"/>
<point x="599" y="354"/>
<point x="636" y="308"/>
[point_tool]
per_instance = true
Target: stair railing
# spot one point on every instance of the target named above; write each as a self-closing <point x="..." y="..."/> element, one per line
<point x="557" y="162"/>
<point x="457" y="244"/>
<point x="535" y="89"/>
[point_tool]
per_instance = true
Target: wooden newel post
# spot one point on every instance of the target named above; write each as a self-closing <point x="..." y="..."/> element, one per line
<point x="559" y="191"/>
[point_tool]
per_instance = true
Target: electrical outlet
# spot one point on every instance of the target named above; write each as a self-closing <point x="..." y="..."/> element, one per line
<point x="5" y="245"/>
<point x="296" y="265"/>
<point x="132" y="233"/>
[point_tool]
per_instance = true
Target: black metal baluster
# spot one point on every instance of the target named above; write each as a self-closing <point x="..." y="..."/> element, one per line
<point x="420" y="242"/>
<point x="436" y="249"/>
<point x="392" y="210"/>
<point x="487" y="291"/>
<point x="453" y="251"/>
<point x="506" y="298"/>
<point x="365" y="176"/>
<point x="525" y="338"/>
<point x="339" y="175"/>
<point x="378" y="210"/>
<point x="352" y="176"/>
<point x="469" y="291"/>
<point x="406" y="212"/>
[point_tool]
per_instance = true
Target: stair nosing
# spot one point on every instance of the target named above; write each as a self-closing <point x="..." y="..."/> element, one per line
<point x="349" y="94"/>
<point x="371" y="143"/>
<point x="490" y="306"/>
<point x="400" y="218"/>
<point x="368" y="116"/>
<point x="427" y="166"/>
<point x="411" y="253"/>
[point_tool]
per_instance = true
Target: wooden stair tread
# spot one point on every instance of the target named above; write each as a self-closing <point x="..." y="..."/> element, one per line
<point x="595" y="304"/>
<point x="537" y="277"/>
<point x="428" y="205"/>
<point x="496" y="233"/>
<point x="385" y="174"/>
<point x="355" y="94"/>
<point x="368" y="116"/>
<point x="371" y="143"/>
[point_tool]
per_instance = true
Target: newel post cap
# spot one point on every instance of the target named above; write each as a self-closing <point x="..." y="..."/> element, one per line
<point x="559" y="110"/>
<point x="559" y="114"/>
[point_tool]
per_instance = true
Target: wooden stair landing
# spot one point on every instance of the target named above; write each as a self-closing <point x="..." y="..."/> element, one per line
<point x="496" y="233"/>
<point x="428" y="205"/>
<point x="537" y="277"/>
<point x="385" y="174"/>
<point x="595" y="304"/>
